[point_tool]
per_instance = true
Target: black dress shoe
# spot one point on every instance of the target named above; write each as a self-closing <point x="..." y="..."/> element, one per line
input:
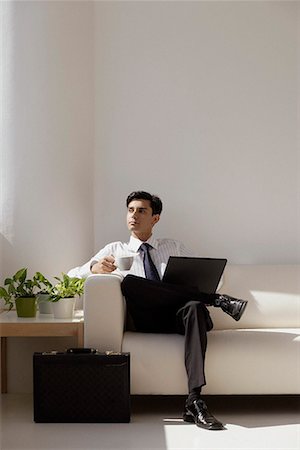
<point x="198" y="413"/>
<point x="232" y="306"/>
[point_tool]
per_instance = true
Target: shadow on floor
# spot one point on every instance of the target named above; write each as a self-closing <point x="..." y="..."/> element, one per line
<point x="249" y="411"/>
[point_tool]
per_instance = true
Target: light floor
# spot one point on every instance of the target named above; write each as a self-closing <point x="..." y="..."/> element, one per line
<point x="251" y="422"/>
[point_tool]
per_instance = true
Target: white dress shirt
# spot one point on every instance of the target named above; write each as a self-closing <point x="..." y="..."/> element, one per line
<point x="160" y="253"/>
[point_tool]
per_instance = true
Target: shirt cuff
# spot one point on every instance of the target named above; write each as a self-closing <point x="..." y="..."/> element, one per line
<point x="92" y="263"/>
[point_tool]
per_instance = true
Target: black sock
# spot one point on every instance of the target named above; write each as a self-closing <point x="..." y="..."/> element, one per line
<point x="194" y="395"/>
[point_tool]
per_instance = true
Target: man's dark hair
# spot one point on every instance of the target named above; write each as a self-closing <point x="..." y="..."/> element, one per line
<point x="155" y="202"/>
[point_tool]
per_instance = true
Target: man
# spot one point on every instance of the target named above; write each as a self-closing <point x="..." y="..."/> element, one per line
<point x="157" y="307"/>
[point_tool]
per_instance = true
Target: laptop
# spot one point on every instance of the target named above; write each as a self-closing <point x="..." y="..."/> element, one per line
<point x="202" y="273"/>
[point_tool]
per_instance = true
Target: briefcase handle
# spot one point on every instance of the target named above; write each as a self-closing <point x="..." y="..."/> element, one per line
<point x="79" y="350"/>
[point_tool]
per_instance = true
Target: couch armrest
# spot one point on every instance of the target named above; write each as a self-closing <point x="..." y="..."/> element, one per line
<point x="104" y="312"/>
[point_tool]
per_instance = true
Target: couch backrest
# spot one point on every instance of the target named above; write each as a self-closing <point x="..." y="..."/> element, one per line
<point x="273" y="294"/>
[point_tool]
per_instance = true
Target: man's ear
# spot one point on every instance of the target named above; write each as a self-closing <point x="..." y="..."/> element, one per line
<point x="156" y="218"/>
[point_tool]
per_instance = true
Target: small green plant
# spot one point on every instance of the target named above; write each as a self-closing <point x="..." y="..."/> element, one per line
<point x="67" y="287"/>
<point x="44" y="285"/>
<point x="18" y="286"/>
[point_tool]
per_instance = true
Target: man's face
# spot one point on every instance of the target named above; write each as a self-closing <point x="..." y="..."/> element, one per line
<point x="140" y="219"/>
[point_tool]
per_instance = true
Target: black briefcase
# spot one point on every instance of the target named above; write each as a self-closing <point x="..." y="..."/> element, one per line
<point x="81" y="385"/>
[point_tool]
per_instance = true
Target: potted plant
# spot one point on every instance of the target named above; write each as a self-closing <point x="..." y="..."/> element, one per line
<point x="63" y="295"/>
<point x="43" y="295"/>
<point x="21" y="291"/>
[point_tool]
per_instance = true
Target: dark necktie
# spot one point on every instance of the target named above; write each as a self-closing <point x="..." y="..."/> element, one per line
<point x="150" y="269"/>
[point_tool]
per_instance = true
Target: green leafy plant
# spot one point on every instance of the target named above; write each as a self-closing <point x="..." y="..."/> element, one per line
<point x="67" y="287"/>
<point x="18" y="286"/>
<point x="44" y="285"/>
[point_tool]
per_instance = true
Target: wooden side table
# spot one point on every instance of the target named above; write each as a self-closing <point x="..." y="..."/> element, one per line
<point x="42" y="325"/>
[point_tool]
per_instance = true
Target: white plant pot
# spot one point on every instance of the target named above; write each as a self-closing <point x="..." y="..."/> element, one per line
<point x="44" y="305"/>
<point x="64" y="308"/>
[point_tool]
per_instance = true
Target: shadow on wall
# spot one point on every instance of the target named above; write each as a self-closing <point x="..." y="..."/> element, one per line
<point x="7" y="258"/>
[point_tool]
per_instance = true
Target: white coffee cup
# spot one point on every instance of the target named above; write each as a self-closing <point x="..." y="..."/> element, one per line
<point x="124" y="262"/>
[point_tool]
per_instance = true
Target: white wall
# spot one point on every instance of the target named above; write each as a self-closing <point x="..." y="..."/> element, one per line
<point x="48" y="131"/>
<point x="197" y="102"/>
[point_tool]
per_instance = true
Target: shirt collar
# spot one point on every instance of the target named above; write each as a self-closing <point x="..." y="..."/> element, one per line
<point x="135" y="243"/>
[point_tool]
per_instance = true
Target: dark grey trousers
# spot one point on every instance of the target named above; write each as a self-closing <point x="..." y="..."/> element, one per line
<point x="158" y="307"/>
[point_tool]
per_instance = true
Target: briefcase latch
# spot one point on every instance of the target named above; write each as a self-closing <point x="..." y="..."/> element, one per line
<point x="53" y="353"/>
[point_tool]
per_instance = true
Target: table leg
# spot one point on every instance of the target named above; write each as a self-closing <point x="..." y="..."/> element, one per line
<point x="80" y="340"/>
<point x="3" y="365"/>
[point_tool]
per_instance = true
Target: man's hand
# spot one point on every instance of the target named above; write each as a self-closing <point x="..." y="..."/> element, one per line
<point x="105" y="265"/>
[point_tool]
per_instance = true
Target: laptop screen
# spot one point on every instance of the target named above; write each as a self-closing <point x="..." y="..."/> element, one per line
<point x="202" y="273"/>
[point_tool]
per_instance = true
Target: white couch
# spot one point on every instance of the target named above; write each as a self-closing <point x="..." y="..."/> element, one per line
<point x="260" y="354"/>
